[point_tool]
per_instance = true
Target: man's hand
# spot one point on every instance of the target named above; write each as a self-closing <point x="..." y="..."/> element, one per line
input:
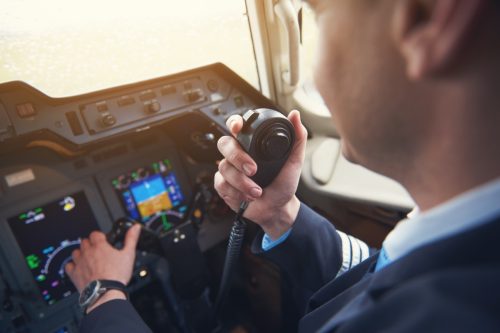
<point x="97" y="259"/>
<point x="274" y="209"/>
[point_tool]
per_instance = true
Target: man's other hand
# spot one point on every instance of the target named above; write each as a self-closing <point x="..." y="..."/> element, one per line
<point x="97" y="259"/>
<point x="274" y="209"/>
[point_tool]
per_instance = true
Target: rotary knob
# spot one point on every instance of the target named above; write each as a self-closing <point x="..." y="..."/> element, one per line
<point x="108" y="120"/>
<point x="152" y="107"/>
<point x="192" y="96"/>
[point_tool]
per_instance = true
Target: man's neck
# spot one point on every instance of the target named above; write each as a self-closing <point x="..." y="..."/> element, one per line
<point x="464" y="161"/>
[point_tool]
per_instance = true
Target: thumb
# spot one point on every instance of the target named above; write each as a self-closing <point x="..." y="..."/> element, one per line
<point x="297" y="154"/>
<point x="132" y="237"/>
<point x="235" y="124"/>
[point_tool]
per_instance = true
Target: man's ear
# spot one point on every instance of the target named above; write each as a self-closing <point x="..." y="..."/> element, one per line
<point x="430" y="33"/>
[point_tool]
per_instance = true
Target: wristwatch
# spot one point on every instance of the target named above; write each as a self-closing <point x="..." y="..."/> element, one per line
<point x="91" y="293"/>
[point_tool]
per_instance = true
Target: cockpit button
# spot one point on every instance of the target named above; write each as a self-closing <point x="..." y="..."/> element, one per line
<point x="147" y="95"/>
<point x="102" y="106"/>
<point x="26" y="110"/>
<point x="212" y="85"/>
<point x="125" y="100"/>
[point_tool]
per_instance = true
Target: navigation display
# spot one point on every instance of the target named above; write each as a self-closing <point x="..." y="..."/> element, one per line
<point x="47" y="235"/>
<point x="152" y="195"/>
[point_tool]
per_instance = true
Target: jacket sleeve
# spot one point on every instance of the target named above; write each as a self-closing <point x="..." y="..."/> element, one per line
<point x="309" y="257"/>
<point x="114" y="317"/>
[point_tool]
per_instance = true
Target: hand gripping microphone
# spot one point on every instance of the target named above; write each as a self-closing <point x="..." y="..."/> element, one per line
<point x="268" y="137"/>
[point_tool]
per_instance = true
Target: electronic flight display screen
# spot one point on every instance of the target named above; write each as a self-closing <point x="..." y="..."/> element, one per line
<point x="152" y="195"/>
<point x="47" y="235"/>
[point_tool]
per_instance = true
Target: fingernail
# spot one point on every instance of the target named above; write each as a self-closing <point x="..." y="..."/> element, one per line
<point x="255" y="192"/>
<point x="248" y="168"/>
<point x="230" y="121"/>
<point x="222" y="141"/>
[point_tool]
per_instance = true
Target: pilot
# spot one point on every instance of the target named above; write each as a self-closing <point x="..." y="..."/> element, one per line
<point x="412" y="86"/>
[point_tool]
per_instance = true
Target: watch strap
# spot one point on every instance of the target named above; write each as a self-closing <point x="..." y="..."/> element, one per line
<point x="112" y="284"/>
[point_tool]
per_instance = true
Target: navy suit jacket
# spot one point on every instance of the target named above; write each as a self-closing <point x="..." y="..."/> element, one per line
<point x="451" y="285"/>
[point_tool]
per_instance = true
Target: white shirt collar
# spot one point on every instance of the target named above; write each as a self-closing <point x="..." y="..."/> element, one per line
<point x="466" y="211"/>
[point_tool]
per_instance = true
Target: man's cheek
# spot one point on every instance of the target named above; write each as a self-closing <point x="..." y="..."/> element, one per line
<point x="321" y="69"/>
<point x="325" y="77"/>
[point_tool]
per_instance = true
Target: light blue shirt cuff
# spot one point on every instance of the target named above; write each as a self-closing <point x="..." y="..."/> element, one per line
<point x="383" y="260"/>
<point x="268" y="243"/>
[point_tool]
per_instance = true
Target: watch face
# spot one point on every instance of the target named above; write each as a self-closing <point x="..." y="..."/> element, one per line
<point x="89" y="293"/>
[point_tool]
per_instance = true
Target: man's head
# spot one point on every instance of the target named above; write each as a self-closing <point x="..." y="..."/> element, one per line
<point x="396" y="74"/>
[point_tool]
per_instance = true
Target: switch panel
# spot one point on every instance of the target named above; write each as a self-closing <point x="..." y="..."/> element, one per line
<point x="157" y="100"/>
<point x="213" y="90"/>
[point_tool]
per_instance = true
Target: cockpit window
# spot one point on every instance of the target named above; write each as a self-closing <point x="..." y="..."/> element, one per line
<point x="67" y="48"/>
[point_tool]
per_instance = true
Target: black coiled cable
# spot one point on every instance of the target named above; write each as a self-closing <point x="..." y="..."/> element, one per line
<point x="233" y="253"/>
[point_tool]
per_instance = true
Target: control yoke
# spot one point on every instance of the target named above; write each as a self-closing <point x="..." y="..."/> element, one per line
<point x="148" y="239"/>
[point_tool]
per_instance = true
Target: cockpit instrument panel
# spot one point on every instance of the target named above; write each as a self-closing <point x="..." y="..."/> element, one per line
<point x="69" y="166"/>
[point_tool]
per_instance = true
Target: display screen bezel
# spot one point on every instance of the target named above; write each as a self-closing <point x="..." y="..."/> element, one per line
<point x="113" y="198"/>
<point x="47" y="235"/>
<point x="169" y="174"/>
<point x="23" y="281"/>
